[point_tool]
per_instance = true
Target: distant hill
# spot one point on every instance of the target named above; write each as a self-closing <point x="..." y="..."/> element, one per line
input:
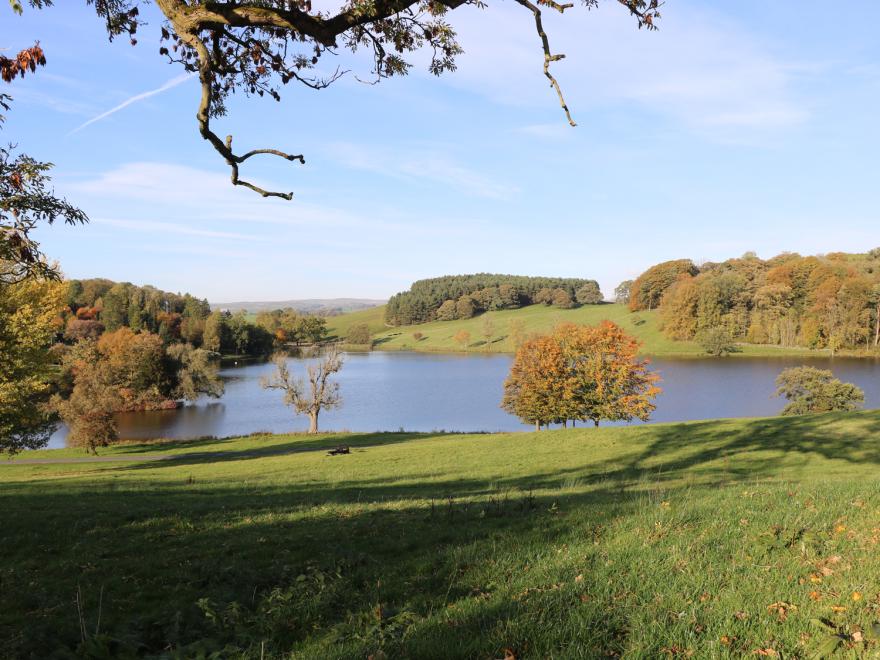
<point x="318" y="306"/>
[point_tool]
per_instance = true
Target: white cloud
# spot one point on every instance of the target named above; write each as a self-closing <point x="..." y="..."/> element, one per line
<point x="699" y="68"/>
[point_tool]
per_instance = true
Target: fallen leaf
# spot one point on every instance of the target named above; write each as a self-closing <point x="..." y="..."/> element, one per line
<point x="856" y="595"/>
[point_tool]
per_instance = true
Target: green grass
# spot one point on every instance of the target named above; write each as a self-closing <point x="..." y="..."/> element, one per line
<point x="439" y="336"/>
<point x="374" y="317"/>
<point x="705" y="539"/>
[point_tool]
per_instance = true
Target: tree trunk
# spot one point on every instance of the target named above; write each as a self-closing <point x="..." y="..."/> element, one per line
<point x="877" y="328"/>
<point x="565" y="423"/>
<point x="313" y="422"/>
<point x="537" y="426"/>
<point x="596" y="422"/>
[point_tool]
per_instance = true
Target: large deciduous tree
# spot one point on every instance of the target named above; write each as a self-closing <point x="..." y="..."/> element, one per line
<point x="30" y="320"/>
<point x="580" y="373"/>
<point x="257" y="46"/>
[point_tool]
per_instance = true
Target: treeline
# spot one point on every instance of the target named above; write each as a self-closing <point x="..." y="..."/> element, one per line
<point x="828" y="301"/>
<point x="98" y="306"/>
<point x="463" y="296"/>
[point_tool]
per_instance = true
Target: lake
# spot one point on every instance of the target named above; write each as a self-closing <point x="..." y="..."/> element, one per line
<point x="389" y="391"/>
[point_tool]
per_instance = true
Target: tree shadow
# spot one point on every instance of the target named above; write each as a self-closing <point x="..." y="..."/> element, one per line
<point x="301" y="444"/>
<point x="368" y="562"/>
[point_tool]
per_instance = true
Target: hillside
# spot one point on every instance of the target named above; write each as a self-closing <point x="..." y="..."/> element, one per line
<point x="709" y="539"/>
<point x="318" y="306"/>
<point x="439" y="335"/>
<point x="338" y="326"/>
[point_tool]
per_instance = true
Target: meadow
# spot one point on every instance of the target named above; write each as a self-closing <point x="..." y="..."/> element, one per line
<point x="440" y="335"/>
<point x="730" y="538"/>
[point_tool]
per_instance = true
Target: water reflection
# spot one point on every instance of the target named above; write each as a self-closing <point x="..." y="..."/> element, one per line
<point x="428" y="392"/>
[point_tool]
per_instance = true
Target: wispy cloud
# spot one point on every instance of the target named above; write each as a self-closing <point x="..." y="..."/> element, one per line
<point x="174" y="82"/>
<point x="700" y="69"/>
<point x="420" y="162"/>
<point x="174" y="228"/>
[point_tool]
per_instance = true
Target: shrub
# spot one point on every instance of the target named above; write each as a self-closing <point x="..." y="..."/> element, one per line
<point x="717" y="341"/>
<point x="811" y="390"/>
<point x="359" y="334"/>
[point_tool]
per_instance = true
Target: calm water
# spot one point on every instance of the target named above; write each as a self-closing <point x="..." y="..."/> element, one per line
<point x="426" y="392"/>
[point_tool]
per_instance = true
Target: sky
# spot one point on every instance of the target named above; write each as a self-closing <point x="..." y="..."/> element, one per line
<point x="738" y="126"/>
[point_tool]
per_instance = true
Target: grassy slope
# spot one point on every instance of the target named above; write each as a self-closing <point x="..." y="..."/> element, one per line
<point x="438" y="336"/>
<point x="709" y="538"/>
<point x="374" y="317"/>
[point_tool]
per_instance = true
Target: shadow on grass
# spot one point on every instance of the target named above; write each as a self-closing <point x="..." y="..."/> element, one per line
<point x="302" y="444"/>
<point x="422" y="568"/>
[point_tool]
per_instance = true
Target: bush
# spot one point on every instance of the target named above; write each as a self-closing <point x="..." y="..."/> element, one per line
<point x="717" y="342"/>
<point x="359" y="334"/>
<point x="811" y="390"/>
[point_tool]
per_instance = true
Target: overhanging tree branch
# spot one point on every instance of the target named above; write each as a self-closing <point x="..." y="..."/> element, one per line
<point x="251" y="45"/>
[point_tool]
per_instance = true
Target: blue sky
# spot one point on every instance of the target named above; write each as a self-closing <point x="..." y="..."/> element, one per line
<point x="747" y="125"/>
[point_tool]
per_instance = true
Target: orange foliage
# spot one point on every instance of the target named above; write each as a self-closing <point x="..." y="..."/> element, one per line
<point x="580" y="373"/>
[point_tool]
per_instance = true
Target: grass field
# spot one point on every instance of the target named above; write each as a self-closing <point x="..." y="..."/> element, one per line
<point x="706" y="539"/>
<point x="374" y="317"/>
<point x="439" y="336"/>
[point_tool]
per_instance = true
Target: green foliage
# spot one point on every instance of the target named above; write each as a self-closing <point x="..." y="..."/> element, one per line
<point x="196" y="373"/>
<point x="622" y="292"/>
<point x="89" y="408"/>
<point x="29" y="324"/>
<point x="432" y="299"/>
<point x="465" y="308"/>
<point x="810" y="390"/>
<point x="122" y="371"/>
<point x="234" y="334"/>
<point x="589" y="294"/>
<point x="717" y="342"/>
<point x="124" y="305"/>
<point x="359" y="334"/>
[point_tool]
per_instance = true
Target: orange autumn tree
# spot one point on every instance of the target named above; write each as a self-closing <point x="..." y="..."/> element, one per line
<point x="535" y="390"/>
<point x="580" y="373"/>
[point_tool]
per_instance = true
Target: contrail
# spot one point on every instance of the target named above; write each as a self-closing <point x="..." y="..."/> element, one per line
<point x="174" y="82"/>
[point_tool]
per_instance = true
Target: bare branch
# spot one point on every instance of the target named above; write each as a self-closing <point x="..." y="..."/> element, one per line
<point x="545" y="45"/>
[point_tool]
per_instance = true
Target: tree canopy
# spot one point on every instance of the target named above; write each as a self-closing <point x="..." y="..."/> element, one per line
<point x="811" y="390"/>
<point x="256" y="47"/>
<point x="830" y="301"/>
<point x="462" y="296"/>
<point x="580" y="373"/>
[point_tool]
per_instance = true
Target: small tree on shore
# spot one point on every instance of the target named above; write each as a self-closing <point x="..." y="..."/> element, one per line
<point x="321" y="394"/>
<point x="810" y="390"/>
<point x="488" y="330"/>
<point x="95" y="397"/>
<point x="359" y="334"/>
<point x="717" y="342"/>
<point x="462" y="338"/>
